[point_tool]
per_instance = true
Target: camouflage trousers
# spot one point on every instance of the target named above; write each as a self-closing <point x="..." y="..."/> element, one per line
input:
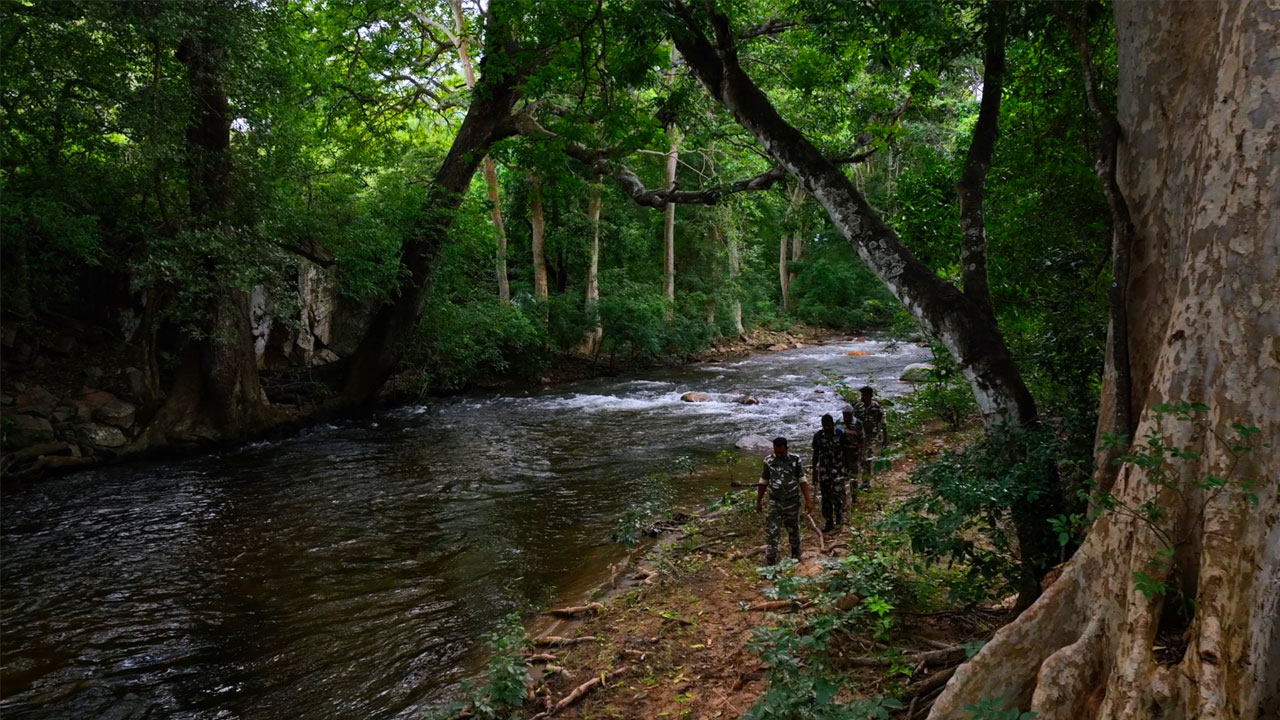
<point x="831" y="486"/>
<point x="778" y="519"/>
<point x="870" y="449"/>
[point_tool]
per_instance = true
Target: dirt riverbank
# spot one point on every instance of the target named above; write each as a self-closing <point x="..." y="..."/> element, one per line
<point x="671" y="641"/>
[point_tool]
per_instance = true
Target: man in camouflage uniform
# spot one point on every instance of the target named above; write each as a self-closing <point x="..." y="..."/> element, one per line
<point x="852" y="447"/>
<point x="875" y="434"/>
<point x="830" y="471"/>
<point x="783" y="478"/>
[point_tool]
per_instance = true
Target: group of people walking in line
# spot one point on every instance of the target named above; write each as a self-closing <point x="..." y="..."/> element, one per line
<point x="842" y="462"/>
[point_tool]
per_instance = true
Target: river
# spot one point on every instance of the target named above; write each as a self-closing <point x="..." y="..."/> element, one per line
<point x="352" y="571"/>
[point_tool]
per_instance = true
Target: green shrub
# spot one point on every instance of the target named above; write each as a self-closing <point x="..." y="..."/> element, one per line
<point x="964" y="516"/>
<point x="460" y="344"/>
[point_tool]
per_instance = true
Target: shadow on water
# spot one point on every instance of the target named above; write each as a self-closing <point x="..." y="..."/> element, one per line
<point x="352" y="571"/>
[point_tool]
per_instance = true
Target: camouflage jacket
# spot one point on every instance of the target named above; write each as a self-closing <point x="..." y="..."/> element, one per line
<point x="871" y="416"/>
<point x="783" y="476"/>
<point x="830" y="453"/>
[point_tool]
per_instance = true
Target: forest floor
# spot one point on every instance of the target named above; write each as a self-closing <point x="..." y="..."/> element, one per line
<point x="671" y="636"/>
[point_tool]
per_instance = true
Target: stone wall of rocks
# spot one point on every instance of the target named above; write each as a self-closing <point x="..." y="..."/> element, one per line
<point x="42" y="431"/>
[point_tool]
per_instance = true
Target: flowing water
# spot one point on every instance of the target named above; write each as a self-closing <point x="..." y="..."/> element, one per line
<point x="352" y="571"/>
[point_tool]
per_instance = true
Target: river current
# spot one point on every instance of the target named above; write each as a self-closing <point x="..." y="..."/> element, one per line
<point x="352" y="571"/>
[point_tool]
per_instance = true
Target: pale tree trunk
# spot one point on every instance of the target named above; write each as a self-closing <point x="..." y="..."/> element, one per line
<point x="537" y="220"/>
<point x="735" y="269"/>
<point x="669" y="227"/>
<point x="1198" y="166"/>
<point x="790" y="244"/>
<point x="490" y="168"/>
<point x="591" y="341"/>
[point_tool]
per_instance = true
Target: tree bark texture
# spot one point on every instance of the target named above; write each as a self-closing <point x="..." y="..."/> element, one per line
<point x="489" y="118"/>
<point x="964" y="327"/>
<point x="538" y="236"/>
<point x="1199" y="168"/>
<point x="972" y="187"/>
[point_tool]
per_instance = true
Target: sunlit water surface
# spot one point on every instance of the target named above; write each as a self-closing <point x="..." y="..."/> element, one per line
<point x="352" y="571"/>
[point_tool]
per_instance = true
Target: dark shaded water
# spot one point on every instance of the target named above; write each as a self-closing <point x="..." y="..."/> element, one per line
<point x="352" y="571"/>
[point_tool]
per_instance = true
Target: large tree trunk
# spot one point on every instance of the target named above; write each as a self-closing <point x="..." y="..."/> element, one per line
<point x="490" y="168"/>
<point x="216" y="391"/>
<point x="1198" y="166"/>
<point x="489" y="118"/>
<point x="538" y="223"/>
<point x="963" y="326"/>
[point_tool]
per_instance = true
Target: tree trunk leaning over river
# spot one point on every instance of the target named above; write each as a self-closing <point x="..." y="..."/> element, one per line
<point x="1199" y="573"/>
<point x="967" y="331"/>
<point x="489" y="118"/>
<point x="461" y="42"/>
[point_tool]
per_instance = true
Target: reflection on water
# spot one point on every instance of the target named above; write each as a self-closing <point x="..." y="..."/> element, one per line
<point x="351" y="571"/>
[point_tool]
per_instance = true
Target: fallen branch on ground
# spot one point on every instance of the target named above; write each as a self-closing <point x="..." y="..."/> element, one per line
<point x="557" y="641"/>
<point x="948" y="656"/>
<point x="541" y="657"/>
<point x="747" y="553"/>
<point x="574" y="611"/>
<point x="789" y="604"/>
<point x="582" y="690"/>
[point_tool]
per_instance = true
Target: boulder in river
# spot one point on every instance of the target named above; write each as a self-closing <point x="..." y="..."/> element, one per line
<point x="779" y="347"/>
<point x="696" y="397"/>
<point x="856" y="353"/>
<point x="101" y="436"/>
<point x="917" y="372"/>
<point x="754" y="442"/>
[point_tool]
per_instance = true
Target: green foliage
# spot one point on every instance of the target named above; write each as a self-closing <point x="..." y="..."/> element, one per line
<point x="503" y="690"/>
<point x="964" y="515"/>
<point x="460" y="344"/>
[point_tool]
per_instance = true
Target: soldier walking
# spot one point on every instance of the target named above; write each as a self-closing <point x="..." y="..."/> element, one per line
<point x="830" y="471"/>
<point x="875" y="434"/>
<point x="783" y="478"/>
<point x="852" y="448"/>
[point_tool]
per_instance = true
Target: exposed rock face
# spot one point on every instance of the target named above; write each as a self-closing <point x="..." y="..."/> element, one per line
<point x="26" y="430"/>
<point x="36" y="401"/>
<point x="116" y="413"/>
<point x="917" y="372"/>
<point x="100" y="436"/>
<point x="754" y="442"/>
<point x="696" y="397"/>
<point x="779" y="347"/>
